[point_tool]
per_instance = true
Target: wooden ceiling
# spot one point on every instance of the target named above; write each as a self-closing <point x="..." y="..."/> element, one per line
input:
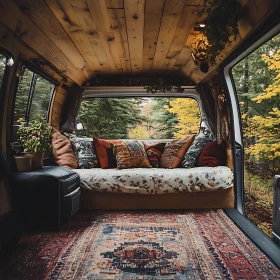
<point x="82" y="38"/>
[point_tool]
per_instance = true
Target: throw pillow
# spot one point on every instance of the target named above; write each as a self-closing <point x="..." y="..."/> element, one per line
<point x="174" y="152"/>
<point x="85" y="152"/>
<point x="212" y="155"/>
<point x="105" y="152"/>
<point x="62" y="151"/>
<point x="154" y="152"/>
<point x="191" y="156"/>
<point x="131" y="155"/>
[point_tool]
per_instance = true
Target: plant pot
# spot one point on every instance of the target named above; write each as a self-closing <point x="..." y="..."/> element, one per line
<point x="23" y="163"/>
<point x="36" y="159"/>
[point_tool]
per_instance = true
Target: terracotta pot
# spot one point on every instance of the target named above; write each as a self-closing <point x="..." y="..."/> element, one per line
<point x="36" y="159"/>
<point x="23" y="163"/>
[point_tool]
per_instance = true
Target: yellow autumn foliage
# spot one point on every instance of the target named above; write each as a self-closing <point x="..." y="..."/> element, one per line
<point x="188" y="114"/>
<point x="266" y="134"/>
<point x="139" y="132"/>
<point x="272" y="90"/>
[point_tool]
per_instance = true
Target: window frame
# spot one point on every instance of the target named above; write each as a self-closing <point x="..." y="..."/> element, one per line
<point x="3" y="85"/>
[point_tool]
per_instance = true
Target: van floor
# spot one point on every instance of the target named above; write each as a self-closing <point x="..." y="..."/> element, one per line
<point x="140" y="245"/>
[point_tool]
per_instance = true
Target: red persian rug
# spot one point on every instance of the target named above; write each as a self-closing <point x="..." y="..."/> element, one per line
<point x="141" y="245"/>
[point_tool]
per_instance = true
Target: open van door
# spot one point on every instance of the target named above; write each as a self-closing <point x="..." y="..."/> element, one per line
<point x="251" y="78"/>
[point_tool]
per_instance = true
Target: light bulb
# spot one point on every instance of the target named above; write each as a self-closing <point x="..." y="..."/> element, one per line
<point x="10" y="62"/>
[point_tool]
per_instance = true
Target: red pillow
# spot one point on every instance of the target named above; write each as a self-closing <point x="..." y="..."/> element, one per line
<point x="212" y="155"/>
<point x="105" y="153"/>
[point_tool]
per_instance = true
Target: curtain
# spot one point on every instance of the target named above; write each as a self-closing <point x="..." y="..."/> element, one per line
<point x="71" y="107"/>
<point x="208" y="106"/>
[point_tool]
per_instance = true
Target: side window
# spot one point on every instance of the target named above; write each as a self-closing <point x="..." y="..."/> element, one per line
<point x="257" y="81"/>
<point x="33" y="97"/>
<point x="140" y="118"/>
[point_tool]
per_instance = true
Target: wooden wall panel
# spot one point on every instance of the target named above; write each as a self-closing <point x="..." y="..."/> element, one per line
<point x="82" y="17"/>
<point x="114" y="4"/>
<point x="45" y="20"/>
<point x="10" y="41"/>
<point x="153" y="16"/>
<point x="101" y="18"/>
<point x="82" y="38"/>
<point x="118" y="25"/>
<point x="69" y="21"/>
<point x="134" y="14"/>
<point x="183" y="30"/>
<point x="11" y="16"/>
<point x="171" y="16"/>
<point x="57" y="106"/>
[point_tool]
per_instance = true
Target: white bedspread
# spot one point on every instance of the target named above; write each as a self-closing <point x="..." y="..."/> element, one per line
<point x="156" y="180"/>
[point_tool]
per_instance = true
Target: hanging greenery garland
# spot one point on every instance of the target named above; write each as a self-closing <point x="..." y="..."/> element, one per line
<point x="221" y="24"/>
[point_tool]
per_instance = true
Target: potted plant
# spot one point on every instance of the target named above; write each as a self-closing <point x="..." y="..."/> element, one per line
<point x="34" y="140"/>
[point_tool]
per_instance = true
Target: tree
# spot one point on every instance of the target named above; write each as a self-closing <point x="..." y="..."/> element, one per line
<point x="188" y="115"/>
<point x="22" y="95"/>
<point x="139" y="132"/>
<point x="2" y="67"/>
<point x="41" y="98"/>
<point x="257" y="80"/>
<point x="110" y="117"/>
<point x="163" y="122"/>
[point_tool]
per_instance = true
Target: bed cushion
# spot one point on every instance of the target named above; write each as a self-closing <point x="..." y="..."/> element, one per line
<point x="155" y="180"/>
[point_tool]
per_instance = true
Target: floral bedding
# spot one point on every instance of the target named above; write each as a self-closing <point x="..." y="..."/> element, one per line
<point x="156" y="180"/>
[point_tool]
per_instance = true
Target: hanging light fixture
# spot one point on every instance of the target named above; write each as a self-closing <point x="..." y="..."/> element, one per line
<point x="10" y="62"/>
<point x="200" y="52"/>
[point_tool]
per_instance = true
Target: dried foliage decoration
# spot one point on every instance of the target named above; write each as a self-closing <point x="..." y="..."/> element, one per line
<point x="221" y="24"/>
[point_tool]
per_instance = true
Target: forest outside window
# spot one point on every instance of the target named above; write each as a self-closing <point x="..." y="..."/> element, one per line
<point x="257" y="82"/>
<point x="140" y="118"/>
<point x="3" y="63"/>
<point x="33" y="97"/>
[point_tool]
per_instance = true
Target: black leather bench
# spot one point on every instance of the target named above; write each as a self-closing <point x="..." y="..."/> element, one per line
<point x="48" y="197"/>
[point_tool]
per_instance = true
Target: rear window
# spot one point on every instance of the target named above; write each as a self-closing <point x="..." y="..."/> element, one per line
<point x="139" y="118"/>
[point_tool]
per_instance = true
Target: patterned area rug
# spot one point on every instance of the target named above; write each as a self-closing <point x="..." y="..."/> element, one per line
<point x="141" y="245"/>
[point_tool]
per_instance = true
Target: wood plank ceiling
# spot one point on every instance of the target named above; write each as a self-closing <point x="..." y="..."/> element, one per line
<point x="82" y="38"/>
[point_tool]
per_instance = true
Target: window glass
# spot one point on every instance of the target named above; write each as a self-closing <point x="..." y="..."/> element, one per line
<point x="140" y="118"/>
<point x="33" y="97"/>
<point x="22" y="95"/>
<point x="257" y="81"/>
<point x="3" y="61"/>
<point x="41" y="98"/>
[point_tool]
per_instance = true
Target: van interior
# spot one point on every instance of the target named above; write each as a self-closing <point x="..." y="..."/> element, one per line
<point x="140" y="139"/>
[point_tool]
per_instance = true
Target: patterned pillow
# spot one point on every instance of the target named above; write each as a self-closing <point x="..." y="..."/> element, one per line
<point x="154" y="152"/>
<point x="174" y="152"/>
<point x="105" y="152"/>
<point x="191" y="156"/>
<point x="85" y="152"/>
<point x="131" y="155"/>
<point x="62" y="151"/>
